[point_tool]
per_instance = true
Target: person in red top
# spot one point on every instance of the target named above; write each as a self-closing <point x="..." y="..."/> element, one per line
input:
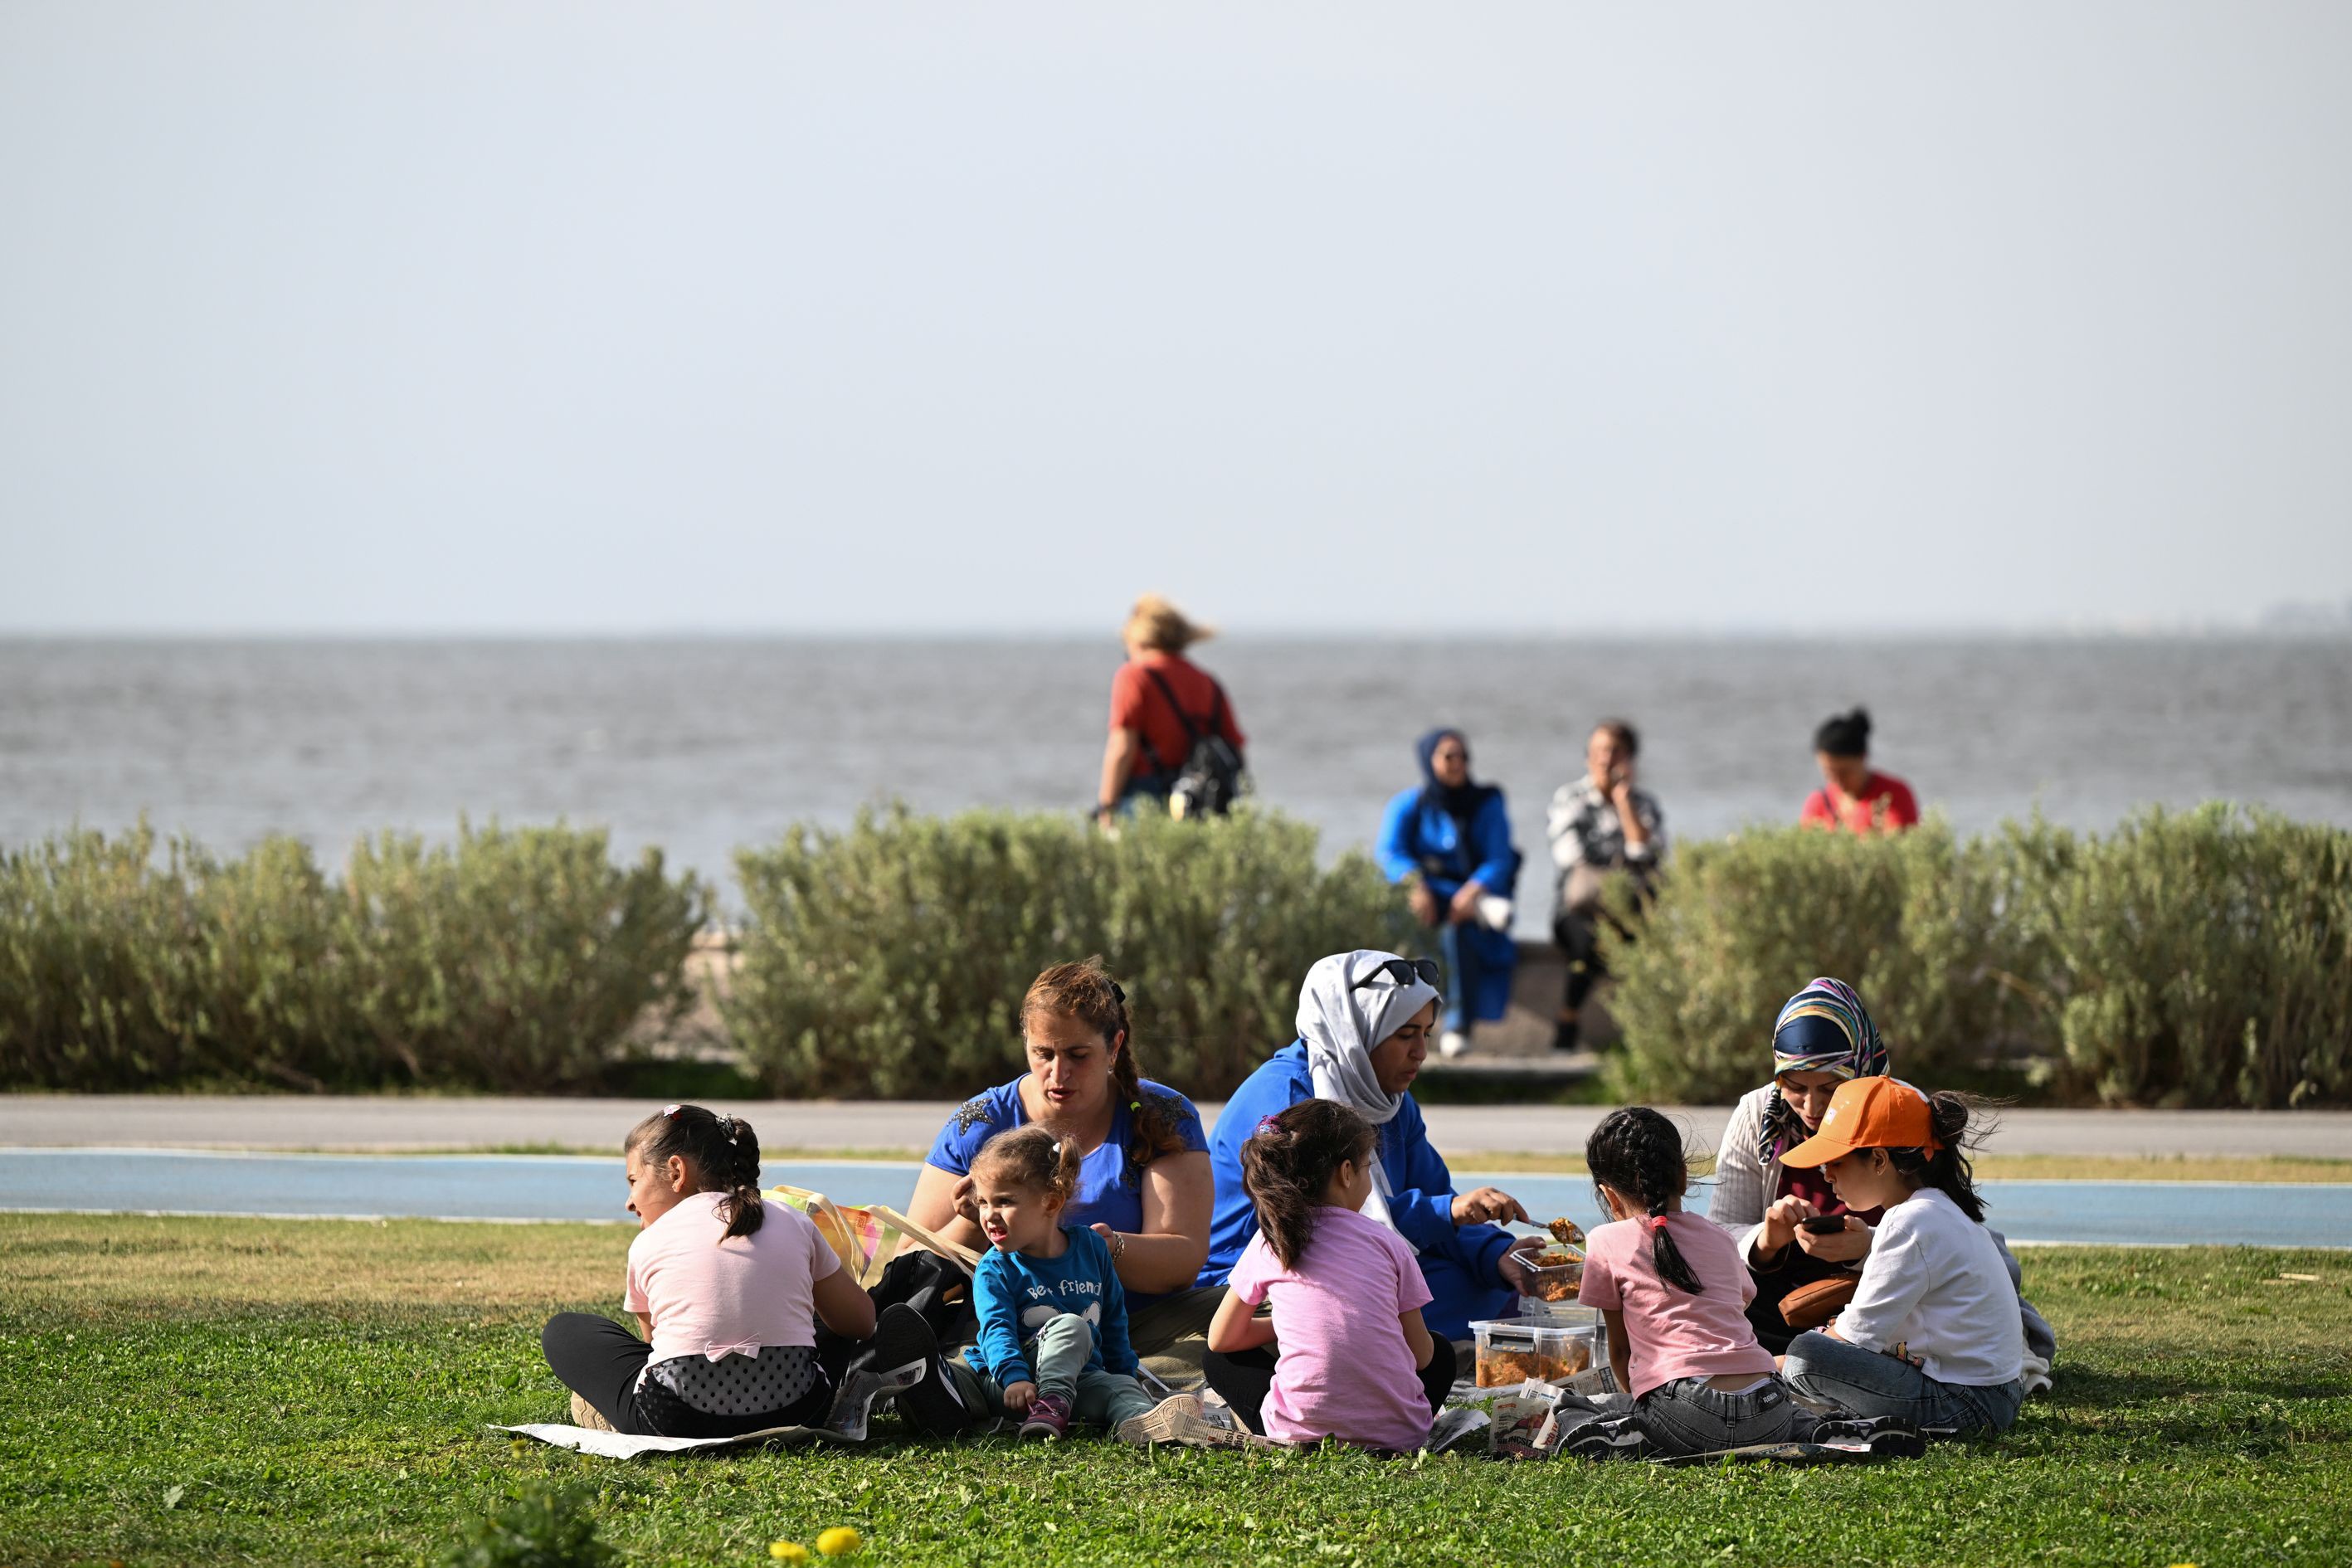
<point x="1851" y="796"/>
<point x="1148" y="737"/>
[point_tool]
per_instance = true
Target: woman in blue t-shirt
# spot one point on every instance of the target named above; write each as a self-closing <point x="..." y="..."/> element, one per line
<point x="1144" y="1183"/>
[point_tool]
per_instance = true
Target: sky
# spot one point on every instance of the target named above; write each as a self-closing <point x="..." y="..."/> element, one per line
<point x="1323" y="319"/>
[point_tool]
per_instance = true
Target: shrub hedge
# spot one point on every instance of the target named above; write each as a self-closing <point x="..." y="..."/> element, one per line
<point x="890" y="960"/>
<point x="505" y="961"/>
<point x="2196" y="958"/>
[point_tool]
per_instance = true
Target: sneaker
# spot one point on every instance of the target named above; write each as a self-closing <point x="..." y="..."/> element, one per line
<point x="1566" y="1034"/>
<point x="1452" y="1043"/>
<point x="586" y="1415"/>
<point x="931" y="1406"/>
<point x="1048" y="1417"/>
<point x="1610" y="1437"/>
<point x="853" y="1406"/>
<point x="1181" y="1418"/>
<point x="1885" y="1437"/>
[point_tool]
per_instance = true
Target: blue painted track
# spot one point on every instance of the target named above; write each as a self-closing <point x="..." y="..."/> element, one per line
<point x="523" y="1187"/>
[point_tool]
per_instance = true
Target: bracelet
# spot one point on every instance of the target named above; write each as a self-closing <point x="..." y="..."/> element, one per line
<point x="1118" y="1243"/>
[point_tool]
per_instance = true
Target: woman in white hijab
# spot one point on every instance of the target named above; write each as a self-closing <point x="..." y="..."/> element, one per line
<point x="1365" y="1023"/>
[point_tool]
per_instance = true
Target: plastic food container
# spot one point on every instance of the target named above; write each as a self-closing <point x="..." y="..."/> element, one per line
<point x="1569" y="1314"/>
<point x="1555" y="1273"/>
<point x="1516" y="1351"/>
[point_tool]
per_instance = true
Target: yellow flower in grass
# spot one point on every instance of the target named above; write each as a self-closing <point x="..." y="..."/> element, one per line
<point x="788" y="1551"/>
<point x="839" y="1541"/>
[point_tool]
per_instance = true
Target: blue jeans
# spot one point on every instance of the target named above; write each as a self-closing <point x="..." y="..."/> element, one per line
<point x="1868" y="1382"/>
<point x="1686" y="1417"/>
<point x="1461" y="976"/>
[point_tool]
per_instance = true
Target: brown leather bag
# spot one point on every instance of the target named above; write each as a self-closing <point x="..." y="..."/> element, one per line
<point x="1811" y="1305"/>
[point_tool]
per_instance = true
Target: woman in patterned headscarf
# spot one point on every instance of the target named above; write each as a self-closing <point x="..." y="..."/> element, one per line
<point x="1822" y="1037"/>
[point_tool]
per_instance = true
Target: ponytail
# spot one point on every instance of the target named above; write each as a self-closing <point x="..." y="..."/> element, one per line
<point x="1640" y="1154"/>
<point x="1032" y="1157"/>
<point x="1946" y="1167"/>
<point x="721" y="1153"/>
<point x="1287" y="1165"/>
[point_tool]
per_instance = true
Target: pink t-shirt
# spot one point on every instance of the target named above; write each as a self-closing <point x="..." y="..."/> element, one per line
<point x="707" y="1296"/>
<point x="1343" y="1368"/>
<point x="1673" y="1334"/>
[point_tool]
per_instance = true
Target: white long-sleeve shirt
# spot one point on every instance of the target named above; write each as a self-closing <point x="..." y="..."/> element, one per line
<point x="1935" y="1283"/>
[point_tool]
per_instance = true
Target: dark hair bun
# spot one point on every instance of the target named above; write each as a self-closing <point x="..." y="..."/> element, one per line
<point x="1844" y="734"/>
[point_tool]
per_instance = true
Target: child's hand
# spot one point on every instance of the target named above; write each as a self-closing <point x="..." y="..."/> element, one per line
<point x="1017" y="1396"/>
<point x="1780" y="1222"/>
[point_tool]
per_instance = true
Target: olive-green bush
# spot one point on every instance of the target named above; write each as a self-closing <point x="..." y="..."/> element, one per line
<point x="506" y="960"/>
<point x="890" y="960"/>
<point x="2199" y="958"/>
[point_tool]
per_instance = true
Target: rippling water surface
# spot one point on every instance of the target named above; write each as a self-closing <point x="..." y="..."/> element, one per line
<point x="701" y="745"/>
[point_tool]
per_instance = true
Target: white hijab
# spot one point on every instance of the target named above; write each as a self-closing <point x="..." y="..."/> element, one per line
<point x="1341" y="1022"/>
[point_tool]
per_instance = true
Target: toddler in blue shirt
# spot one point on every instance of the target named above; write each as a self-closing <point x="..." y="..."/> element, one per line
<point x="1053" y="1343"/>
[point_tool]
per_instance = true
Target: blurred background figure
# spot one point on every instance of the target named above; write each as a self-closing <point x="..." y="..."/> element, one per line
<point x="1449" y="843"/>
<point x="1601" y="826"/>
<point x="1163" y="708"/>
<point x="1851" y="796"/>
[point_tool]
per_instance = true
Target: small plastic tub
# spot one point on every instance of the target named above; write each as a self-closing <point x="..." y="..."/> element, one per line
<point x="1555" y="1273"/>
<point x="1515" y="1351"/>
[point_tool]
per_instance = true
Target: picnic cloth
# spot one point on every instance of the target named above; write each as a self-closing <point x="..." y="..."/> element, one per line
<point x="624" y="1445"/>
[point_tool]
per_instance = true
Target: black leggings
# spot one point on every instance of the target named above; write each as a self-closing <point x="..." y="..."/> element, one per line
<point x="599" y="1361"/>
<point x="1245" y="1378"/>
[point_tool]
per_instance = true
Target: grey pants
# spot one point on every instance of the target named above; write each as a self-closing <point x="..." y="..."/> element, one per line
<point x="1059" y="1357"/>
<point x="1869" y="1383"/>
<point x="1686" y="1417"/>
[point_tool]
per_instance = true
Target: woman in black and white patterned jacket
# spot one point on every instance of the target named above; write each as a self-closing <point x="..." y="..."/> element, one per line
<point x="1601" y="826"/>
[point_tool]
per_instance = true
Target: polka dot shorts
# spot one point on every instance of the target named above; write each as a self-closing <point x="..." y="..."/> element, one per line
<point x="779" y="1377"/>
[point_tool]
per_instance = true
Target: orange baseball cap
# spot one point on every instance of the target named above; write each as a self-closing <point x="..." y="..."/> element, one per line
<point x="1868" y="1113"/>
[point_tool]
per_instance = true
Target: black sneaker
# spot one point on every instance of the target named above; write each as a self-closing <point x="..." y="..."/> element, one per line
<point x="1611" y="1437"/>
<point x="932" y="1405"/>
<point x="1885" y="1437"/>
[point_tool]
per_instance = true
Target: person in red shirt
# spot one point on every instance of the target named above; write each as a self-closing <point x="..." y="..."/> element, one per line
<point x="1851" y="796"/>
<point x="1149" y="740"/>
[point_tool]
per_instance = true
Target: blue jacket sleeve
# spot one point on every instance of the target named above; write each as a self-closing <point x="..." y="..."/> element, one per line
<point x="1397" y="848"/>
<point x="1423" y="1202"/>
<point x="1110" y="1337"/>
<point x="996" y="1302"/>
<point x="1498" y="862"/>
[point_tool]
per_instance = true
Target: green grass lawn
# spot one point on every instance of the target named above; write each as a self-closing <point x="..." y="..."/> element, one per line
<point x="180" y="1391"/>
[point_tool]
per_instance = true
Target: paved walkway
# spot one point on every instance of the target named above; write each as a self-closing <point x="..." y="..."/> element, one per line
<point x="357" y="1122"/>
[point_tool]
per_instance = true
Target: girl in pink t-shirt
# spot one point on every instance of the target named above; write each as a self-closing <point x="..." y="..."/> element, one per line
<point x="1344" y="1353"/>
<point x="1674" y="1291"/>
<point x="726" y="1290"/>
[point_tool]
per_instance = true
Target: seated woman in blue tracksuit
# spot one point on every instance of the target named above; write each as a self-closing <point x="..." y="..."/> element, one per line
<point x="1364" y="1022"/>
<point x="1449" y="843"/>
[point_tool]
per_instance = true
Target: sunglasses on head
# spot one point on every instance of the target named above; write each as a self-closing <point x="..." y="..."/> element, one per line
<point x="1403" y="972"/>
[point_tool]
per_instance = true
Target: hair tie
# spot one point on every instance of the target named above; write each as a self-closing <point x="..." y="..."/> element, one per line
<point x="1266" y="1124"/>
<point x="1135" y="1105"/>
<point x="672" y="1110"/>
<point x="1116" y="994"/>
<point x="1657" y="1222"/>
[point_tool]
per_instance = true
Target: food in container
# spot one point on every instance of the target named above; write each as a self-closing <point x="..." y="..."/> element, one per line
<point x="1555" y="1273"/>
<point x="1513" y="1351"/>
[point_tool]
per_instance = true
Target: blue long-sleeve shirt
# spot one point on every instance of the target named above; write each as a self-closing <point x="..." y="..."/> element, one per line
<point x="1458" y="1261"/>
<point x="1015" y="1295"/>
<point x="1417" y="836"/>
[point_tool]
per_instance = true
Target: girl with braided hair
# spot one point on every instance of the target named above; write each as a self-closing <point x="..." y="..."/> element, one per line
<point x="1671" y="1287"/>
<point x="726" y="1291"/>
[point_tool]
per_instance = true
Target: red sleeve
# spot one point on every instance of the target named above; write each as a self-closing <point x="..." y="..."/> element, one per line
<point x="1127" y="699"/>
<point x="1902" y="805"/>
<point x="1817" y="811"/>
<point x="1231" y="728"/>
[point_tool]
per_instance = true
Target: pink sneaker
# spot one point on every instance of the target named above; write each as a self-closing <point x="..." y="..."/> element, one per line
<point x="1048" y="1417"/>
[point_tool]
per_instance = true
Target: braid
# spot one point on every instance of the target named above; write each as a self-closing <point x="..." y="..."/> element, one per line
<point x="721" y="1153"/>
<point x="1640" y="1154"/>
